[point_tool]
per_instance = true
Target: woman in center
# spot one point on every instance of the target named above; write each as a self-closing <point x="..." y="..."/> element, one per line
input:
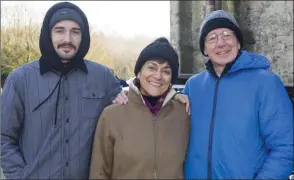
<point x="147" y="138"/>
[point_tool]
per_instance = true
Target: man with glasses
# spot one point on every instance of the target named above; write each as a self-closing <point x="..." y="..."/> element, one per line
<point x="241" y="115"/>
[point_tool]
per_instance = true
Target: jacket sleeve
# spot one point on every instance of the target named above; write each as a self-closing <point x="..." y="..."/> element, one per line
<point x="113" y="86"/>
<point x="276" y="126"/>
<point x="12" y="116"/>
<point x="186" y="88"/>
<point x="102" y="152"/>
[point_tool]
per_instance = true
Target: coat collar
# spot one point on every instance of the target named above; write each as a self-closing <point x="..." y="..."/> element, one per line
<point x="46" y="67"/>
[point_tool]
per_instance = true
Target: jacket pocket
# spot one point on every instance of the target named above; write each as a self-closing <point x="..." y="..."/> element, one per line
<point x="92" y="103"/>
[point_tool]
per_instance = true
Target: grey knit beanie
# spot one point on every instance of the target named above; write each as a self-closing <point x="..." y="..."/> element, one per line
<point x="66" y="14"/>
<point x="219" y="19"/>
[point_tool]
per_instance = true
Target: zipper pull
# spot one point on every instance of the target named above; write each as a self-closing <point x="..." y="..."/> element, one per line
<point x="153" y="117"/>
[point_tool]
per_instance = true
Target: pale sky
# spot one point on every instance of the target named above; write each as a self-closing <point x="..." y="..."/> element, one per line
<point x="125" y="18"/>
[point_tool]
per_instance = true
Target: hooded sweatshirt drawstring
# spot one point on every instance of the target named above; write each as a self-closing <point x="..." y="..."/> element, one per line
<point x="49" y="59"/>
<point x="56" y="104"/>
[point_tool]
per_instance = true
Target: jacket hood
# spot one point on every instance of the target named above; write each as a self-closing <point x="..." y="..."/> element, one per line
<point x="244" y="60"/>
<point x="49" y="58"/>
<point x="250" y="61"/>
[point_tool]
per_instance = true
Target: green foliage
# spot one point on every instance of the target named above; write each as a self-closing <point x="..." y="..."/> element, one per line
<point x="19" y="38"/>
<point x="117" y="53"/>
<point x="20" y="45"/>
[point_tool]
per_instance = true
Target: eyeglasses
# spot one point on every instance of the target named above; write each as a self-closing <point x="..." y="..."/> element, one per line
<point x="213" y="38"/>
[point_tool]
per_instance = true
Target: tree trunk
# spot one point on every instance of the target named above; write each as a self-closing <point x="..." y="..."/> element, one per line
<point x="210" y="6"/>
<point x="217" y="4"/>
<point x="231" y="7"/>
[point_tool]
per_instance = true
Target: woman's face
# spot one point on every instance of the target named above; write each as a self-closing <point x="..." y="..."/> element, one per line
<point x="155" y="78"/>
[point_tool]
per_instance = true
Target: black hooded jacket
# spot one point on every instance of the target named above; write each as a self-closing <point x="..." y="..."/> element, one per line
<point x="49" y="58"/>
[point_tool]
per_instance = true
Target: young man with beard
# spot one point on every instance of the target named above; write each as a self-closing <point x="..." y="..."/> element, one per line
<point x="50" y="106"/>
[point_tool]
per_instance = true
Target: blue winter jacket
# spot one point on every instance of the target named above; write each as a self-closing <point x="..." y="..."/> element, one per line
<point x="241" y="123"/>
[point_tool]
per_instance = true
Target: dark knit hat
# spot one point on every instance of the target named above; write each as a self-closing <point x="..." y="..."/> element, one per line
<point x="160" y="49"/>
<point x="66" y="14"/>
<point x="219" y="19"/>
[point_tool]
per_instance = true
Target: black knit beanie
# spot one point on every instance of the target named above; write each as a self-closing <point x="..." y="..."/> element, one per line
<point x="219" y="19"/>
<point x="160" y="49"/>
<point x="66" y="14"/>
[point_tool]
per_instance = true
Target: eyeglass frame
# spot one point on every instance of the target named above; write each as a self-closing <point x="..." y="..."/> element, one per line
<point x="222" y="36"/>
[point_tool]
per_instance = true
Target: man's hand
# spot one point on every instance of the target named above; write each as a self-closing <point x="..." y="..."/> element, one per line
<point x="121" y="98"/>
<point x="182" y="98"/>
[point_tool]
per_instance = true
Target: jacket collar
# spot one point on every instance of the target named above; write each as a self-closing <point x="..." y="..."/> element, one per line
<point x="210" y="68"/>
<point x="46" y="67"/>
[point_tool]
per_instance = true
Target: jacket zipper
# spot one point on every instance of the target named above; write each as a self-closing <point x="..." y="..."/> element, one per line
<point x="155" y="134"/>
<point x="154" y="121"/>
<point x="209" y="159"/>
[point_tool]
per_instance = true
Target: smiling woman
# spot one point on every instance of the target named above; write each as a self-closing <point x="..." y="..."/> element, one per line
<point x="155" y="78"/>
<point x="152" y="122"/>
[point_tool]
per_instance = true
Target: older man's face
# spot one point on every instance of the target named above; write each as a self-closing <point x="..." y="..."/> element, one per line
<point x="221" y="46"/>
<point x="66" y="38"/>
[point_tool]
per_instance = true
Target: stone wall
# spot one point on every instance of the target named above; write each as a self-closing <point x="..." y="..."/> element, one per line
<point x="185" y="18"/>
<point x="267" y="27"/>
